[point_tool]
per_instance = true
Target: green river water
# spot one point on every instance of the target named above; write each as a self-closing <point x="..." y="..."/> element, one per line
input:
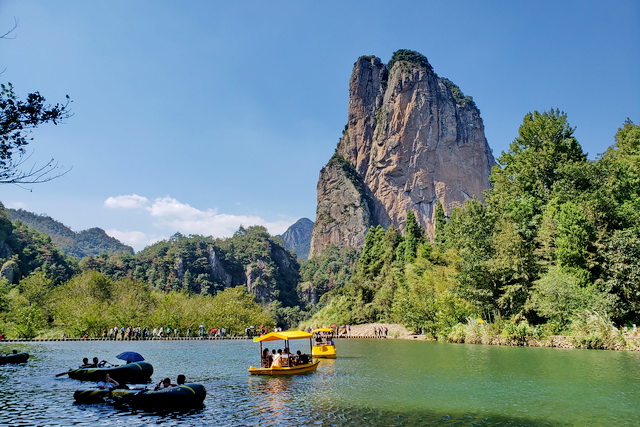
<point x="371" y="383"/>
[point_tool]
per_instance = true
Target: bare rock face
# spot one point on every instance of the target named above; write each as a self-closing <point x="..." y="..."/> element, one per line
<point x="412" y="139"/>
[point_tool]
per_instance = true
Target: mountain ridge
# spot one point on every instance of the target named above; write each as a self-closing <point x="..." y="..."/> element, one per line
<point x="93" y="241"/>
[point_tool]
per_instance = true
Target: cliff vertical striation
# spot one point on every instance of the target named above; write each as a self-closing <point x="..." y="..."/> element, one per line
<point x="412" y="139"/>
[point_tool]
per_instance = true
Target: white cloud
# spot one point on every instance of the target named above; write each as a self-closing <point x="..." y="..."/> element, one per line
<point x="171" y="214"/>
<point x="131" y="201"/>
<point x="168" y="216"/>
<point x="136" y="239"/>
<point x="168" y="206"/>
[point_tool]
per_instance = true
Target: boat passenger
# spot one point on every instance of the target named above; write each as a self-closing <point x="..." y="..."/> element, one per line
<point x="85" y="363"/>
<point x="303" y="359"/>
<point x="165" y="383"/>
<point x="181" y="379"/>
<point x="96" y="362"/>
<point x="277" y="360"/>
<point x="108" y="383"/>
<point x="266" y="358"/>
<point x="287" y="357"/>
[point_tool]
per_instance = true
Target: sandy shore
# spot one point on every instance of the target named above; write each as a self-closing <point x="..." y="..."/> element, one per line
<point x="369" y="330"/>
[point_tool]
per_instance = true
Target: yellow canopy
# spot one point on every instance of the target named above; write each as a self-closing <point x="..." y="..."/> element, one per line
<point x="322" y="330"/>
<point x="284" y="335"/>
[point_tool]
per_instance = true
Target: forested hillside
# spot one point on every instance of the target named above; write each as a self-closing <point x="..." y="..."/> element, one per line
<point x="248" y="279"/>
<point x="93" y="241"/>
<point x="556" y="248"/>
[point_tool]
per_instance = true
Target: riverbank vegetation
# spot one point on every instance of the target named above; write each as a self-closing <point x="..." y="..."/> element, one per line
<point x="553" y="249"/>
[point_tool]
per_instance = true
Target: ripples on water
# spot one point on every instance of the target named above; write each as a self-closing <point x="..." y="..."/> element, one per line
<point x="385" y="383"/>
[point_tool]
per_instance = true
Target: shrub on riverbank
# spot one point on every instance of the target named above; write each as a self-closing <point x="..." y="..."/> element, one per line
<point x="589" y="330"/>
<point x="592" y="330"/>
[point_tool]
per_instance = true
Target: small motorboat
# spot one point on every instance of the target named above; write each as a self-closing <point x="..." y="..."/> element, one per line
<point x="289" y="365"/>
<point x="324" y="345"/>
<point x="132" y="373"/>
<point x="14" y="358"/>
<point x="189" y="395"/>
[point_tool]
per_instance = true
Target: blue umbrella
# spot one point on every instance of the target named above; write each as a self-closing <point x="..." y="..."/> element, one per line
<point x="130" y="356"/>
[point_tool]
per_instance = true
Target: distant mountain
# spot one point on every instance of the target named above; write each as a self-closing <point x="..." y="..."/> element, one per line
<point x="297" y="238"/>
<point x="93" y="241"/>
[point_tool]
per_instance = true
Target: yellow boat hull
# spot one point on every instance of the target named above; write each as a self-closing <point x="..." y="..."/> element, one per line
<point x="293" y="370"/>
<point x="326" y="351"/>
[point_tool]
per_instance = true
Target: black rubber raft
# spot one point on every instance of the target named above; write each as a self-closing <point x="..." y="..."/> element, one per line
<point x="14" y="358"/>
<point x="132" y="373"/>
<point x="189" y="395"/>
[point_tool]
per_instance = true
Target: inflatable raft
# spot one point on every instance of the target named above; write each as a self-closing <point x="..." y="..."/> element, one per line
<point x="183" y="396"/>
<point x="14" y="358"/>
<point x="132" y="373"/>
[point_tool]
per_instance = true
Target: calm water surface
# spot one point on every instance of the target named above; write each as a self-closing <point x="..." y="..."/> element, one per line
<point x="373" y="382"/>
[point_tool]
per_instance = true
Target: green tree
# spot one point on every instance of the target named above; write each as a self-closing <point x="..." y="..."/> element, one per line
<point x="535" y="160"/>
<point x="560" y="295"/>
<point x="17" y="120"/>
<point x="441" y="223"/>
<point x="413" y="237"/>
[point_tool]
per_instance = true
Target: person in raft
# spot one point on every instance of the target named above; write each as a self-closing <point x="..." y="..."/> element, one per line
<point x="85" y="363"/>
<point x="165" y="383"/>
<point x="181" y="379"/>
<point x="108" y="383"/>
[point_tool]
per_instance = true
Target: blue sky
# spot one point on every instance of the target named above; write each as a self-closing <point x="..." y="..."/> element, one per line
<point x="200" y="116"/>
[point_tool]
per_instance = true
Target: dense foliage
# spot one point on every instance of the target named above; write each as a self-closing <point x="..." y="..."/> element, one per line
<point x="409" y="56"/>
<point x="249" y="279"/>
<point x="92" y="303"/>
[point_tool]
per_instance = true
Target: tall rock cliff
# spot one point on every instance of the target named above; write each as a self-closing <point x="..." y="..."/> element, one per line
<point x="412" y="139"/>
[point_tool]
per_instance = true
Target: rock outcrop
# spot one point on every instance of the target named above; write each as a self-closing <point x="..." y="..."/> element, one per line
<point x="297" y="238"/>
<point x="412" y="139"/>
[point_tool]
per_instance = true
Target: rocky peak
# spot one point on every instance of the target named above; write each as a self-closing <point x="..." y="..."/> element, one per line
<point x="412" y="139"/>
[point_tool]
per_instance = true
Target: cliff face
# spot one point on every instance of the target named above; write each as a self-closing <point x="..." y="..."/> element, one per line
<point x="412" y="139"/>
<point x="298" y="237"/>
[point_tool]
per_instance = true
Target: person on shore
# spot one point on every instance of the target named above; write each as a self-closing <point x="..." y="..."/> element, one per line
<point x="108" y="383"/>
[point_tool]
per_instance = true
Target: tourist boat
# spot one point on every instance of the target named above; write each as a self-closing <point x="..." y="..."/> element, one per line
<point x="14" y="358"/>
<point x="132" y="373"/>
<point x="288" y="367"/>
<point x="323" y="345"/>
<point x="189" y="395"/>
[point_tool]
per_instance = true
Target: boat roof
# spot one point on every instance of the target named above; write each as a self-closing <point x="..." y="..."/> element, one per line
<point x="322" y="330"/>
<point x="284" y="335"/>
